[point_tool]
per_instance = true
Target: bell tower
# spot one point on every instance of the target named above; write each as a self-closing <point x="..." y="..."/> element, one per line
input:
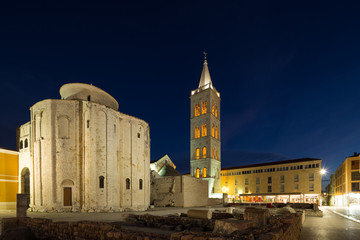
<point x="205" y="137"/>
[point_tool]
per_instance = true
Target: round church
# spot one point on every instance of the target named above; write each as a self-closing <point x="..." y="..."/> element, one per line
<point x="79" y="153"/>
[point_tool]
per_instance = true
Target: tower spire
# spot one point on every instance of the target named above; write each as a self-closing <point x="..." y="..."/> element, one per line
<point x="205" y="78"/>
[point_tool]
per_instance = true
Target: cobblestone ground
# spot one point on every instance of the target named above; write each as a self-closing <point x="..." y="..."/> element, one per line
<point x="330" y="227"/>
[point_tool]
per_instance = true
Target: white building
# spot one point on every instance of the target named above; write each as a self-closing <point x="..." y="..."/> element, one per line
<point x="81" y="154"/>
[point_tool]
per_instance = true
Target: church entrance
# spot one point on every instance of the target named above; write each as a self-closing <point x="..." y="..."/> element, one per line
<point x="67" y="196"/>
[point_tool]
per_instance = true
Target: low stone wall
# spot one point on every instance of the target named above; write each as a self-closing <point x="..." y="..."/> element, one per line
<point x="285" y="227"/>
<point x="47" y="229"/>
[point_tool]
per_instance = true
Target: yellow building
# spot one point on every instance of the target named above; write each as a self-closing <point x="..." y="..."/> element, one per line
<point x="9" y="164"/>
<point x="347" y="182"/>
<point x="297" y="180"/>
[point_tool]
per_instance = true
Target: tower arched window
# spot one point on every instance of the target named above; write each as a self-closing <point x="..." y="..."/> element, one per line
<point x="101" y="181"/>
<point x="197" y="132"/>
<point x="128" y="183"/>
<point x="204" y="152"/>
<point x="197" y="110"/>
<point x="197" y="153"/>
<point x="21" y="144"/>
<point x="26" y="143"/>
<point x="140" y="184"/>
<point x="197" y="173"/>
<point x="204" y="173"/>
<point x="216" y="155"/>
<point x="213" y="131"/>
<point x="213" y="109"/>
<point x="216" y="112"/>
<point x="213" y="153"/>
<point x="216" y="133"/>
<point x="204" y="130"/>
<point x="204" y="107"/>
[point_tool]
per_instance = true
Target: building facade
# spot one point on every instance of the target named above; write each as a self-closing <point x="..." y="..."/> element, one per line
<point x="79" y="153"/>
<point x="347" y="182"/>
<point x="9" y="166"/>
<point x="297" y="180"/>
<point x="205" y="133"/>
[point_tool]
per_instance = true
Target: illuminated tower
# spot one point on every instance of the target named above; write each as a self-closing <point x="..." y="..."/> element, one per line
<point x="205" y="144"/>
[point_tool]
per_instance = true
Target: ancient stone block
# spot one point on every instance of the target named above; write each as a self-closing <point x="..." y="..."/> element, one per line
<point x="227" y="226"/>
<point x="202" y="214"/>
<point x="258" y="215"/>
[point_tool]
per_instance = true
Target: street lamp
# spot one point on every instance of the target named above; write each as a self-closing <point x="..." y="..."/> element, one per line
<point x="323" y="171"/>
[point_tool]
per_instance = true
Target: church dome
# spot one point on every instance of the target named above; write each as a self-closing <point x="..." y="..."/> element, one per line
<point x="86" y="92"/>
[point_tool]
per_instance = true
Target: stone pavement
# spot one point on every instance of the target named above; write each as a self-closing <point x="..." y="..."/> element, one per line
<point x="330" y="227"/>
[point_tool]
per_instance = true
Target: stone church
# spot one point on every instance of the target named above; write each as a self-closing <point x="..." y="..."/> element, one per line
<point x="79" y="153"/>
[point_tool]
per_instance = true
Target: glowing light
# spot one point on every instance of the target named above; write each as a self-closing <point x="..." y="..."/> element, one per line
<point x="240" y="192"/>
<point x="225" y="189"/>
<point x="323" y="171"/>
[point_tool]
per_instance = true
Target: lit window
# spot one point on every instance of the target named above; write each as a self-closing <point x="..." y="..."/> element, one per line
<point x="213" y="109"/>
<point x="213" y="131"/>
<point x="204" y="152"/>
<point x="197" y="153"/>
<point x="216" y="133"/>
<point x="216" y="112"/>
<point x="197" y="110"/>
<point x="216" y="155"/>
<point x="197" y="132"/>
<point x="204" y="107"/>
<point x="204" y="130"/>
<point x="197" y="173"/>
<point x="213" y="153"/>
<point x="204" y="172"/>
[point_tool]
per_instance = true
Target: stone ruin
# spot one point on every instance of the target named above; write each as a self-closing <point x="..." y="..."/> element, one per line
<point x="249" y="223"/>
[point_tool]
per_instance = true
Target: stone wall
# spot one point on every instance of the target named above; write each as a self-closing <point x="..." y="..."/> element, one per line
<point x="179" y="191"/>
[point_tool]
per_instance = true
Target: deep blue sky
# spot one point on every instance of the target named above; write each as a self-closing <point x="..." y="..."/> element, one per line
<point x="288" y="73"/>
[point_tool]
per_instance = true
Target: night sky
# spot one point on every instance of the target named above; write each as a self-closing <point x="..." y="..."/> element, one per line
<point x="288" y="72"/>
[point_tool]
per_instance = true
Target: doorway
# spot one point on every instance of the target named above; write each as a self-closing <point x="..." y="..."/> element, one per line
<point x="67" y="196"/>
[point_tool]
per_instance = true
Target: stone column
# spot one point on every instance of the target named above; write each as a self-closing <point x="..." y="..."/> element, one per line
<point x="21" y="204"/>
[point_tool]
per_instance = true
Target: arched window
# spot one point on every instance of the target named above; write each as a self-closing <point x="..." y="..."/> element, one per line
<point x="216" y="133"/>
<point x="216" y="155"/>
<point x="213" y="109"/>
<point x="213" y="131"/>
<point x="128" y="183"/>
<point x="216" y="112"/>
<point x="204" y="172"/>
<point x="204" y="130"/>
<point x="197" y="110"/>
<point x="204" y="152"/>
<point x="101" y="182"/>
<point x="26" y="143"/>
<point x="197" y="173"/>
<point x="21" y="144"/>
<point x="204" y="107"/>
<point x="140" y="184"/>
<point x="197" y="153"/>
<point x="213" y="153"/>
<point x="197" y="132"/>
